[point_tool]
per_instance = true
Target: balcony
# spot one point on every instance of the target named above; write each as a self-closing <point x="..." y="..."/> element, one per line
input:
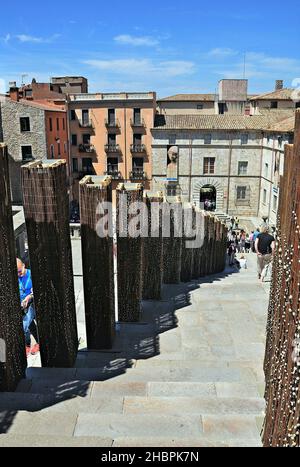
<point x="115" y="174"/>
<point x="138" y="174"/>
<point x="87" y="148"/>
<point x="138" y="123"/>
<point x="112" y="148"/>
<point x="138" y="148"/>
<point x="113" y="124"/>
<point x="85" y="123"/>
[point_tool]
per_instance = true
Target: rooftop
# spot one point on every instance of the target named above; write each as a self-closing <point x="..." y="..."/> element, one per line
<point x="190" y="98"/>
<point x="115" y="96"/>
<point x="280" y="94"/>
<point x="220" y="122"/>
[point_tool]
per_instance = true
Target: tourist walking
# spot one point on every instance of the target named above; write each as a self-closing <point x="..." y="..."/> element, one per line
<point x="236" y="221"/>
<point x="27" y="305"/>
<point x="265" y="249"/>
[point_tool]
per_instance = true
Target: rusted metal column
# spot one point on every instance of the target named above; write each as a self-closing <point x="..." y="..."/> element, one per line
<point x="282" y="359"/>
<point x="46" y="210"/>
<point x="153" y="248"/>
<point x="187" y="256"/>
<point x="97" y="261"/>
<point x="12" y="344"/>
<point x="130" y="285"/>
<point x="172" y="246"/>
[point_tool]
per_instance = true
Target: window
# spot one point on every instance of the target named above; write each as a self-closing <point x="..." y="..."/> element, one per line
<point x="65" y="148"/>
<point x="280" y="141"/>
<point x="57" y="124"/>
<point x="265" y="196"/>
<point x="28" y="92"/>
<point x="72" y="115"/>
<point x="243" y="168"/>
<point x="266" y="170"/>
<point x="50" y="124"/>
<point x="274" y="105"/>
<point x="173" y="189"/>
<point x="112" y="165"/>
<point x="137" y="140"/>
<point x="87" y="165"/>
<point x="199" y="106"/>
<point x="275" y="203"/>
<point x="138" y="164"/>
<point x="222" y="108"/>
<point x="209" y="165"/>
<point x="112" y="139"/>
<point x="85" y="117"/>
<point x="74" y="140"/>
<point x="25" y="124"/>
<point x="111" y="116"/>
<point x="244" y="138"/>
<point x="75" y="164"/>
<point x="242" y="193"/>
<point x="297" y="105"/>
<point x="137" y="116"/>
<point x="58" y="149"/>
<point x="86" y="139"/>
<point x="26" y="153"/>
<point x="207" y="138"/>
<point x="52" y="155"/>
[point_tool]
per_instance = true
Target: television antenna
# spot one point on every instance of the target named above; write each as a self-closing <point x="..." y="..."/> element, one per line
<point x="23" y="76"/>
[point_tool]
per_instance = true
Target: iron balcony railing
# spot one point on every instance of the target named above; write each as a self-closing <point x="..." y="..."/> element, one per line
<point x="138" y="174"/>
<point x="86" y="148"/>
<point x="115" y="174"/>
<point x="112" y="123"/>
<point x="137" y="123"/>
<point x="85" y="123"/>
<point x="112" y="148"/>
<point x="138" y="148"/>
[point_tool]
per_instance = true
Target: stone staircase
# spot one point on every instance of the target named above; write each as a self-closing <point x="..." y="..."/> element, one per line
<point x="190" y="374"/>
<point x="223" y="217"/>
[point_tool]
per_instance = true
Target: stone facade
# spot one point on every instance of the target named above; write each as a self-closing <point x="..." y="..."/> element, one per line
<point x="262" y="152"/>
<point x="15" y="138"/>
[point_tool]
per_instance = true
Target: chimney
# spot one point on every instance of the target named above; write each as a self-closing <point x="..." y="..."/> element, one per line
<point x="278" y="85"/>
<point x="14" y="91"/>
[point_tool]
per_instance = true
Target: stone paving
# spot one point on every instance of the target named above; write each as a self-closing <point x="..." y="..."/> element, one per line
<point x="189" y="374"/>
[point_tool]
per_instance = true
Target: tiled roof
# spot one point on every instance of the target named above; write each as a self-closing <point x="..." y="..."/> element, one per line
<point x="287" y="125"/>
<point x="216" y="122"/>
<point x="189" y="98"/>
<point x="281" y="94"/>
<point x="39" y="105"/>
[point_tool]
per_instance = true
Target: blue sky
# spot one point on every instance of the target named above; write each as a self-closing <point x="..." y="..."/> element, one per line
<point x="165" y="46"/>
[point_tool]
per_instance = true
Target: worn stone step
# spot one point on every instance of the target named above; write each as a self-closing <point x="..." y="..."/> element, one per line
<point x="137" y="425"/>
<point x="37" y="440"/>
<point x="164" y="441"/>
<point x="205" y="390"/>
<point x="193" y="405"/>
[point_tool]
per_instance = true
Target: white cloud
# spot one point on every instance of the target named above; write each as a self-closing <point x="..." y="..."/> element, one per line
<point x="140" y="67"/>
<point x="37" y="40"/>
<point x="136" y="41"/>
<point x="220" y="52"/>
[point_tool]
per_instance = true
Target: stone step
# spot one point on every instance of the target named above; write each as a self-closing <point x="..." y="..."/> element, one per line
<point x="161" y="371"/>
<point x="185" y="442"/>
<point x="97" y="403"/>
<point x="37" y="440"/>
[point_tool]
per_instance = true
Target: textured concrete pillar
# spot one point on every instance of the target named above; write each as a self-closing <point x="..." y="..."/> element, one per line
<point x="130" y="285"/>
<point x="97" y="262"/>
<point x="12" y="344"/>
<point x="153" y="251"/>
<point x="46" y="209"/>
<point x="172" y="251"/>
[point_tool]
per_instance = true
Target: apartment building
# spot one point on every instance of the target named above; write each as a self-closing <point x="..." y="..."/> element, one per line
<point x="233" y="162"/>
<point x="111" y="134"/>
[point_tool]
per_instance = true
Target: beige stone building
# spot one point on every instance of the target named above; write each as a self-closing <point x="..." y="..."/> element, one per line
<point x="231" y="161"/>
<point x="111" y="133"/>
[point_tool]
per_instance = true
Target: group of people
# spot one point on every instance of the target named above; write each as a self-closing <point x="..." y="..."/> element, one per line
<point x="260" y="242"/>
<point x="27" y="307"/>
